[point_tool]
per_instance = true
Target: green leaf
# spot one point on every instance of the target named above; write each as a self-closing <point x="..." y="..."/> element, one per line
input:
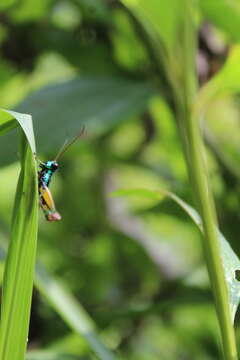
<point x="231" y="262"/>
<point x="59" y="111"/>
<point x="8" y="126"/>
<point x="19" y="268"/>
<point x="69" y="309"/>
<point x="25" y="121"/>
<point x="225" y="14"/>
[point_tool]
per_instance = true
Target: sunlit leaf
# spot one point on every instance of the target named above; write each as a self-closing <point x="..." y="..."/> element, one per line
<point x="25" y="121"/>
<point x="70" y="310"/>
<point x="18" y="277"/>
<point x="20" y="262"/>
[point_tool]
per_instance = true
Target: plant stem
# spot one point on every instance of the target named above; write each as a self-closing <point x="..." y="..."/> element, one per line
<point x="195" y="158"/>
<point x="210" y="240"/>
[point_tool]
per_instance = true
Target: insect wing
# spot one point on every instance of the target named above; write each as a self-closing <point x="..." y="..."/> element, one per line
<point x="47" y="198"/>
<point x="47" y="204"/>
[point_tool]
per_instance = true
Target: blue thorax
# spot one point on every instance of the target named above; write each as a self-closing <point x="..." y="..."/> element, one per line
<point x="48" y="168"/>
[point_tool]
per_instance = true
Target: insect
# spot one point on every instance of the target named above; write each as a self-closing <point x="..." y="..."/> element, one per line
<point x="45" y="173"/>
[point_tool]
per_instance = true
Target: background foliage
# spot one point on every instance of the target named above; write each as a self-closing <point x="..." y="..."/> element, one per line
<point x="135" y="264"/>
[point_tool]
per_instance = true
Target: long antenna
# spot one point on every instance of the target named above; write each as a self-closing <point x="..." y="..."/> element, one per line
<point x="62" y="149"/>
<point x="67" y="143"/>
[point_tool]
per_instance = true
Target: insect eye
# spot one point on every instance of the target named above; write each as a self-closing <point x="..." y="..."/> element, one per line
<point x="54" y="165"/>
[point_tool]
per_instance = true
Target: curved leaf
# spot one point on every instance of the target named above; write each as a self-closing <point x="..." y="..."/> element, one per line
<point x="97" y="102"/>
<point x="25" y="121"/>
<point x="69" y="309"/>
<point x="59" y="111"/>
<point x="231" y="262"/>
<point x="19" y="267"/>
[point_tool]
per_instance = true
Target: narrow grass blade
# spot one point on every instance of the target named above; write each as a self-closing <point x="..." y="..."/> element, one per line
<point x="19" y="268"/>
<point x="69" y="309"/>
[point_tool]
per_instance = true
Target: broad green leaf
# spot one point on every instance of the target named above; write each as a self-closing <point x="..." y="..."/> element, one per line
<point x="20" y="262"/>
<point x="59" y="111"/>
<point x="225" y="14"/>
<point x="231" y="262"/>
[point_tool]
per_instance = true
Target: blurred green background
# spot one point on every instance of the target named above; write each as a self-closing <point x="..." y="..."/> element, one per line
<point x="135" y="264"/>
